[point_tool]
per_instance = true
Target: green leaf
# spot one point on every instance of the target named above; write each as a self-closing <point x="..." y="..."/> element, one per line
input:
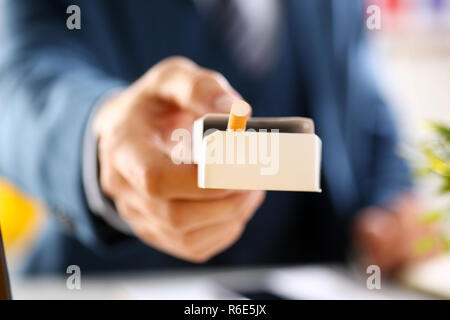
<point x="445" y="186"/>
<point x="432" y="216"/>
<point x="425" y="245"/>
<point x="441" y="129"/>
<point x="422" y="172"/>
<point x="436" y="164"/>
<point x="445" y="242"/>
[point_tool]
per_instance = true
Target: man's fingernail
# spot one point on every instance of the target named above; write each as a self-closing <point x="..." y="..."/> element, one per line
<point x="223" y="103"/>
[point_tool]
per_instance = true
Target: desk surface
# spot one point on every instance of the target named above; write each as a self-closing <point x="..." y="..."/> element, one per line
<point x="302" y="282"/>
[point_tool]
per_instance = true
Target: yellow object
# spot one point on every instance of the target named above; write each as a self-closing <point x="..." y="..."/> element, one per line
<point x="18" y="215"/>
<point x="240" y="110"/>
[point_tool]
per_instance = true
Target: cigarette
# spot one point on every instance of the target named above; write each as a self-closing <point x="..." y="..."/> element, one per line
<point x="239" y="113"/>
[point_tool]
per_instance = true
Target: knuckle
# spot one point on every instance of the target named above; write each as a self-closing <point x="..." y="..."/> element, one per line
<point x="191" y="247"/>
<point x="107" y="182"/>
<point x="238" y="232"/>
<point x="200" y="258"/>
<point x="247" y="215"/>
<point x="124" y="210"/>
<point x="186" y="243"/>
<point x="214" y="79"/>
<point x="173" y="62"/>
<point x="206" y="80"/>
<point x="180" y="60"/>
<point x="249" y="211"/>
<point x="174" y="219"/>
<point x="214" y="75"/>
<point x="152" y="182"/>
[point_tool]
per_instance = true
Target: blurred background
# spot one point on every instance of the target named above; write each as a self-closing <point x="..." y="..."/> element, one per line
<point x="411" y="54"/>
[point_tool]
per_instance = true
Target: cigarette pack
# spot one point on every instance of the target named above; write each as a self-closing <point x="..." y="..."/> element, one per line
<point x="271" y="154"/>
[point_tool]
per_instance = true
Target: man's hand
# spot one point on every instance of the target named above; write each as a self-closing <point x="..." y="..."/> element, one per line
<point x="157" y="198"/>
<point x="389" y="238"/>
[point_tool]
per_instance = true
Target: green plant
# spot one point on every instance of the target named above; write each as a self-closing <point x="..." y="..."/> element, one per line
<point x="436" y="152"/>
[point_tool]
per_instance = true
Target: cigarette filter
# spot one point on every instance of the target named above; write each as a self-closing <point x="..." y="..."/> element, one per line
<point x="239" y="113"/>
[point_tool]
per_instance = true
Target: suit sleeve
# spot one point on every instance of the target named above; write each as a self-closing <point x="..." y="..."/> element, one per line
<point x="49" y="83"/>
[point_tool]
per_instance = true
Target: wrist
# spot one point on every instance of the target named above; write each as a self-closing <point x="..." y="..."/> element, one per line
<point x="105" y="110"/>
<point x="98" y="203"/>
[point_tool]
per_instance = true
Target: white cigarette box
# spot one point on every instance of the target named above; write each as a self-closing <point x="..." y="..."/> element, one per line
<point x="272" y="154"/>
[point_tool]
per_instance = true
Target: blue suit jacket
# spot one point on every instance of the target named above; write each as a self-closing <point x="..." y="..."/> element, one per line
<point x="52" y="77"/>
